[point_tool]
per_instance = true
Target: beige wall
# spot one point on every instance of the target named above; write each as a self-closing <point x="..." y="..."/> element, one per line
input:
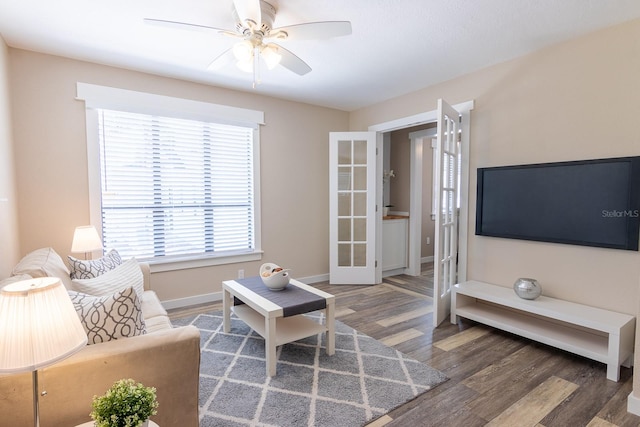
<point x="9" y="248"/>
<point x="51" y="165"/>
<point x="576" y="100"/>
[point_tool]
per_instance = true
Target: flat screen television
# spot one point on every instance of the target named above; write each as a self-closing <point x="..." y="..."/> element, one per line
<point x="587" y="202"/>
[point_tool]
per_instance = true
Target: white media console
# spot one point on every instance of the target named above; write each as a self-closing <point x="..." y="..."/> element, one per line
<point x="597" y="334"/>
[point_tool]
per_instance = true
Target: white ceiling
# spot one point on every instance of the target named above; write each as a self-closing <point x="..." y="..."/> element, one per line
<point x="397" y="46"/>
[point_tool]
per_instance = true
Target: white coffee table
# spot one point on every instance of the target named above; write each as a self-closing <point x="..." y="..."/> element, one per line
<point x="268" y="318"/>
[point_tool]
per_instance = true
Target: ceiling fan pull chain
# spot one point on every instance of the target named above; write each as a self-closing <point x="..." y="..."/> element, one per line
<point x="256" y="66"/>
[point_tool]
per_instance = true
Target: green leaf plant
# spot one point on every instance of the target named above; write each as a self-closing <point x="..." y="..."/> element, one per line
<point x="125" y="404"/>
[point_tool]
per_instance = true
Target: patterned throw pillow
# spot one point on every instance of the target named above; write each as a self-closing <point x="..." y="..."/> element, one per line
<point x="88" y="269"/>
<point x="125" y="275"/>
<point x="109" y="317"/>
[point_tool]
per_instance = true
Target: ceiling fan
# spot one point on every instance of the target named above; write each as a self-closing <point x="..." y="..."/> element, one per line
<point x="254" y="26"/>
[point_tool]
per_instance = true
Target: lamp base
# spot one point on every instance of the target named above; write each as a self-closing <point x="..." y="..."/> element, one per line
<point x="36" y="399"/>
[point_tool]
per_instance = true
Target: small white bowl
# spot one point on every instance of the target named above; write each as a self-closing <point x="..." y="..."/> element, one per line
<point x="275" y="281"/>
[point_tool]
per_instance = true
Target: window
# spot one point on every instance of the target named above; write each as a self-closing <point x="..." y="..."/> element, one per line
<point x="173" y="188"/>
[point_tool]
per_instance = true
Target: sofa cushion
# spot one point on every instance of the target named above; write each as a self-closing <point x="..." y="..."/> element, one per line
<point x="126" y="274"/>
<point x="109" y="317"/>
<point x="158" y="323"/>
<point x="44" y="262"/>
<point x="151" y="305"/>
<point x="88" y="269"/>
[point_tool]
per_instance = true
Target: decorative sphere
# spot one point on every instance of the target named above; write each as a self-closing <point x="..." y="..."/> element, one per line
<point x="527" y="288"/>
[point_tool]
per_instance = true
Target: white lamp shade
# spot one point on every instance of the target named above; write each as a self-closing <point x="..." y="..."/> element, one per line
<point x="86" y="239"/>
<point x="38" y="325"/>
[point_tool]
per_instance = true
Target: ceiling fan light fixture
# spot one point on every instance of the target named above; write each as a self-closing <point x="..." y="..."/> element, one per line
<point x="271" y="56"/>
<point x="243" y="51"/>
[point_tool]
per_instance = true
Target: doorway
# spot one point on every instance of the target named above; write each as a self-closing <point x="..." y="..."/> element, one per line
<point x="355" y="208"/>
<point x="427" y="119"/>
<point x="409" y="153"/>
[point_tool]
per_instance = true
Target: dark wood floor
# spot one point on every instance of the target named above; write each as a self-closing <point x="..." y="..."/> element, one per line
<point x="496" y="378"/>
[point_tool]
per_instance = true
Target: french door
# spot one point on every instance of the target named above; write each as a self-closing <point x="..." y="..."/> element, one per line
<point x="446" y="187"/>
<point x="355" y="195"/>
<point x="355" y="192"/>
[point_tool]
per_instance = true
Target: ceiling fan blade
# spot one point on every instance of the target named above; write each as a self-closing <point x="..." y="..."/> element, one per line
<point x="221" y="60"/>
<point x="183" y="25"/>
<point x="249" y="10"/>
<point x="315" y="30"/>
<point x="291" y="62"/>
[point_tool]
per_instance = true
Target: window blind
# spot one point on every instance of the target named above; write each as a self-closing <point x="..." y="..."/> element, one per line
<point x="175" y="187"/>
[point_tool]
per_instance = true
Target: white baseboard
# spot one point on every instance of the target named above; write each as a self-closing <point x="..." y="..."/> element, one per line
<point x="217" y="296"/>
<point x="315" y="279"/>
<point x="426" y="259"/>
<point x="633" y="404"/>
<point x="194" y="300"/>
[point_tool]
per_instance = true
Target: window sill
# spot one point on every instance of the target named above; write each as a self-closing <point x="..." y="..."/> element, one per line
<point x="158" y="266"/>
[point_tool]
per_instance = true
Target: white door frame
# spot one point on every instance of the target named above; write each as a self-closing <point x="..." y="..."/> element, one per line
<point x="431" y="117"/>
<point x="415" y="202"/>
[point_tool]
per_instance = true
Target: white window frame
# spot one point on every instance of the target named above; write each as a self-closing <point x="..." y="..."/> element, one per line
<point x="102" y="97"/>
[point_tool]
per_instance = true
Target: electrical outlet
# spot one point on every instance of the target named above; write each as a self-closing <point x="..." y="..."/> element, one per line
<point x="428" y="240"/>
<point x="241" y="274"/>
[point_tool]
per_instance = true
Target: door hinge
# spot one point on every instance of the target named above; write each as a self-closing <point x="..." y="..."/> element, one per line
<point x="376" y="264"/>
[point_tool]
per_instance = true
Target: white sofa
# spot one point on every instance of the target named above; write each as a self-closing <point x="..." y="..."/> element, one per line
<point x="164" y="357"/>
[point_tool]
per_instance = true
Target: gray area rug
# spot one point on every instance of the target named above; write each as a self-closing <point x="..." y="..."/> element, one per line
<point x="362" y="381"/>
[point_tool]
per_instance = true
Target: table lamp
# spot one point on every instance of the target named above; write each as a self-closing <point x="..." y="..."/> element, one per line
<point x="38" y="327"/>
<point x="86" y="239"/>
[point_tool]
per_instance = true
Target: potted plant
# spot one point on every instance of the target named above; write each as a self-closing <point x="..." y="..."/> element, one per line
<point x="125" y="404"/>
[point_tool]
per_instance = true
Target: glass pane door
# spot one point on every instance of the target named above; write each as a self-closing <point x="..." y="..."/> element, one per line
<point x="352" y="198"/>
<point x="446" y="186"/>
<point x="352" y="186"/>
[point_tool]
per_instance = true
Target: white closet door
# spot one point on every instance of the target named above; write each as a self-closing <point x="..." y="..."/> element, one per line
<point x="352" y="208"/>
